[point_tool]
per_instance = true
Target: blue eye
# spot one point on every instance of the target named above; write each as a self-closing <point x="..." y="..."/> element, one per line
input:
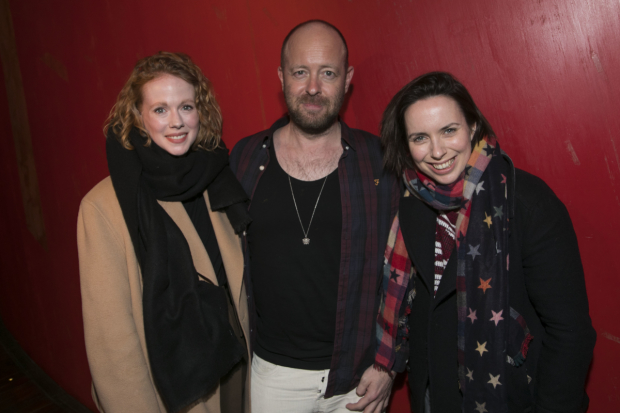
<point x="159" y="110"/>
<point x="417" y="139"/>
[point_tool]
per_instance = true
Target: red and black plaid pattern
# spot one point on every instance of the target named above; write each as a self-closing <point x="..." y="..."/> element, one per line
<point x="369" y="198"/>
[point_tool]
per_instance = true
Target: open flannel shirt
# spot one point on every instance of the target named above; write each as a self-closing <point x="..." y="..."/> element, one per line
<point x="369" y="198"/>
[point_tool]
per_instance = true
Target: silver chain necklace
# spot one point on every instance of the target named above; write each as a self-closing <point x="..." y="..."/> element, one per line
<point x="306" y="240"/>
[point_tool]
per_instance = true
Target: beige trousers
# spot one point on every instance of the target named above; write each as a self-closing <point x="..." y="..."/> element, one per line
<point x="278" y="389"/>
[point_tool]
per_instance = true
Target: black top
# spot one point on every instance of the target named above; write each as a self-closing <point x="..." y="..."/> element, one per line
<point x="295" y="285"/>
<point x="199" y="214"/>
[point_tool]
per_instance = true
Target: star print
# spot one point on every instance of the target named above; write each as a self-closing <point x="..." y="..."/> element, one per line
<point x="467" y="169"/>
<point x="498" y="211"/>
<point x="472" y="315"/>
<point x="529" y="379"/>
<point x="494" y="380"/>
<point x="503" y="179"/>
<point x="479" y="187"/>
<point x="387" y="327"/>
<point x="461" y="237"/>
<point x="470" y="374"/>
<point x="481" y="407"/>
<point x="488" y="220"/>
<point x="473" y="251"/>
<point x="497" y="317"/>
<point x="490" y="150"/>
<point x="394" y="276"/>
<point x="482" y="347"/>
<point x="484" y="285"/>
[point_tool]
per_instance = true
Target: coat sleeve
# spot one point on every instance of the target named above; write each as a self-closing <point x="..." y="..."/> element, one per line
<point x="117" y="362"/>
<point x="556" y="287"/>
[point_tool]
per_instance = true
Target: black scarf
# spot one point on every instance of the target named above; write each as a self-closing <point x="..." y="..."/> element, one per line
<point x="189" y="339"/>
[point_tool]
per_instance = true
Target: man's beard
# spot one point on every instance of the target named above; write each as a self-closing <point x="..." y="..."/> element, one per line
<point x="311" y="123"/>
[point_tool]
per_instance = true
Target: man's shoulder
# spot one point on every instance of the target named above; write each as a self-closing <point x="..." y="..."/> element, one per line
<point x="245" y="147"/>
<point x="365" y="137"/>
<point x="252" y="139"/>
<point x="367" y="146"/>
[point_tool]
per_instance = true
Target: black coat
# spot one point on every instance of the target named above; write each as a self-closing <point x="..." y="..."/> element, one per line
<point x="546" y="287"/>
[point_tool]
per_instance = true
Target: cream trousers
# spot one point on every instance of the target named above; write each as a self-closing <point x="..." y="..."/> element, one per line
<point x="278" y="389"/>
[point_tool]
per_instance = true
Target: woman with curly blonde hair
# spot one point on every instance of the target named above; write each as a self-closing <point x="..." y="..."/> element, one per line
<point x="160" y="257"/>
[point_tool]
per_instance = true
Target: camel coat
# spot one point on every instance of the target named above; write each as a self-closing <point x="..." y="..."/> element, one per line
<point x="111" y="285"/>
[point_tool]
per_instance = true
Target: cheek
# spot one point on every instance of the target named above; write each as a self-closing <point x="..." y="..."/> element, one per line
<point x="466" y="148"/>
<point x="417" y="153"/>
<point x="152" y="124"/>
<point x="193" y="120"/>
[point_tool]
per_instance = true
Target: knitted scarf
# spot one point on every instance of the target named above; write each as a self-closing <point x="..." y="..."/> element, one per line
<point x="189" y="340"/>
<point x="490" y="333"/>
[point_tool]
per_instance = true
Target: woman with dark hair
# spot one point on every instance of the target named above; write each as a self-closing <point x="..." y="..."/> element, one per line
<point x="160" y="259"/>
<point x="483" y="288"/>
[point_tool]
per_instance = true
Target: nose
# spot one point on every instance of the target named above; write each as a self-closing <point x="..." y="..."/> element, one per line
<point x="438" y="149"/>
<point x="176" y="120"/>
<point x="314" y="85"/>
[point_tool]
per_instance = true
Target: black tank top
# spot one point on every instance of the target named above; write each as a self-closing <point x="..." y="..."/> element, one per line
<point x="295" y="285"/>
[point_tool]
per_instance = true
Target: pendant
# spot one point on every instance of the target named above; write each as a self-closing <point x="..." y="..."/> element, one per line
<point x="306" y="241"/>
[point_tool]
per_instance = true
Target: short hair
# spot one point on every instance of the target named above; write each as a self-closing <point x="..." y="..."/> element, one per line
<point x="396" y="155"/>
<point x="324" y="23"/>
<point x="125" y="113"/>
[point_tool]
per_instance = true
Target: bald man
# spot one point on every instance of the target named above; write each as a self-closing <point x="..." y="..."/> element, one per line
<point x="321" y="208"/>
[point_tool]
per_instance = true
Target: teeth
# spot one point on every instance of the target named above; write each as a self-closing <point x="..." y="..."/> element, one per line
<point x="443" y="165"/>
<point x="177" y="138"/>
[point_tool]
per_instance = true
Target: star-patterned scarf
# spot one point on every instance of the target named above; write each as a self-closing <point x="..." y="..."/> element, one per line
<point x="491" y="334"/>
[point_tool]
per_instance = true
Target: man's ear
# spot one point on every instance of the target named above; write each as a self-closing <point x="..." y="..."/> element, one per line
<point x="350" y="71"/>
<point x="281" y="76"/>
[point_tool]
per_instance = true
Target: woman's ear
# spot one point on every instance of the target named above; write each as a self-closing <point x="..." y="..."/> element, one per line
<point x="473" y="132"/>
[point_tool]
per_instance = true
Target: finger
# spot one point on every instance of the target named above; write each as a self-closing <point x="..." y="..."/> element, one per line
<point x="360" y="405"/>
<point x="386" y="401"/>
<point x="372" y="407"/>
<point x="384" y="405"/>
<point x="362" y="387"/>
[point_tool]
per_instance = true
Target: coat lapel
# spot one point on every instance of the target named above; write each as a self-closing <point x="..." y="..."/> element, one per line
<point x="418" y="221"/>
<point x="177" y="212"/>
<point x="230" y="248"/>
<point x="448" y="280"/>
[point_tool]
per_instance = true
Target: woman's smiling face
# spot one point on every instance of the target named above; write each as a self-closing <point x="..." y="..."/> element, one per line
<point x="169" y="113"/>
<point x="439" y="138"/>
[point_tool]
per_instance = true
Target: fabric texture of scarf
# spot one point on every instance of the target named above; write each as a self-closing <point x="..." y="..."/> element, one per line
<point x="189" y="340"/>
<point x="490" y="333"/>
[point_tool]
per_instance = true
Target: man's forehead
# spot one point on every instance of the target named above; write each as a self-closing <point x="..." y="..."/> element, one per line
<point x="313" y="37"/>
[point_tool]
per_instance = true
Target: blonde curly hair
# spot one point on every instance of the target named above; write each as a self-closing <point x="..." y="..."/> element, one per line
<point x="125" y="113"/>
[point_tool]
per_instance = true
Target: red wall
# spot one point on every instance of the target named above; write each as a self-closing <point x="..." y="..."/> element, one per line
<point x="545" y="73"/>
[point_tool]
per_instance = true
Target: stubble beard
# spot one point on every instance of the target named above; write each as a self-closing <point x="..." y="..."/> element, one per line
<point x="311" y="123"/>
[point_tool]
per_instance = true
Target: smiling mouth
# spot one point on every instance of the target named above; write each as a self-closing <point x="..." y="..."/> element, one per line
<point x="176" y="138"/>
<point x="442" y="166"/>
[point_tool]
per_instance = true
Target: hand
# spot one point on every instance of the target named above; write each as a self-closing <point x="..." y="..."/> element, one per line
<point x="374" y="389"/>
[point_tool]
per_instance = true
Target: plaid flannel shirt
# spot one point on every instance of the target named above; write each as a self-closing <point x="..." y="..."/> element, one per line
<point x="369" y="198"/>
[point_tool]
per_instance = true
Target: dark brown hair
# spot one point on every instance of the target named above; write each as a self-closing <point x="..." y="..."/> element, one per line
<point x="396" y="157"/>
<point x="125" y="113"/>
